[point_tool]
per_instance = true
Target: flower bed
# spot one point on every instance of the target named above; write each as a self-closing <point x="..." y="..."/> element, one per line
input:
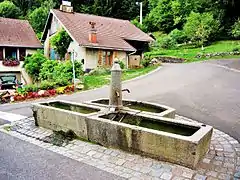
<point x="10" y="62"/>
<point x="43" y="93"/>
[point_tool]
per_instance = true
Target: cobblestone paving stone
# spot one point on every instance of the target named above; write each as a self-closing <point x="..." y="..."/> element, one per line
<point x="221" y="162"/>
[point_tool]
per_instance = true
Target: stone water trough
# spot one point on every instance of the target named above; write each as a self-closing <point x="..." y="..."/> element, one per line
<point x="123" y="125"/>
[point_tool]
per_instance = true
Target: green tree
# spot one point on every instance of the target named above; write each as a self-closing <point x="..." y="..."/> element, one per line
<point x="236" y="29"/>
<point x="9" y="10"/>
<point x="61" y="42"/>
<point x="200" y="28"/>
<point x="161" y="17"/>
<point x="38" y="18"/>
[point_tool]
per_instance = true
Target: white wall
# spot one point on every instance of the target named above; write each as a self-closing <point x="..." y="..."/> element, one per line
<point x="55" y="26"/>
<point x="79" y="52"/>
<point x="91" y="58"/>
<point x="30" y="51"/>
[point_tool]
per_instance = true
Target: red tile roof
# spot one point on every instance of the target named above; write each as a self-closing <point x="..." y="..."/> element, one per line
<point x="111" y="33"/>
<point x="17" y="33"/>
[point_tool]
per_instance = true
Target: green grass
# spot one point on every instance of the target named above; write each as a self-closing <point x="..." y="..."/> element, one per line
<point x="189" y="53"/>
<point x="96" y="81"/>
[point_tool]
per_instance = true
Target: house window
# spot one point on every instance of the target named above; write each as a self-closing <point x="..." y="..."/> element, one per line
<point x="11" y="53"/>
<point x="107" y="57"/>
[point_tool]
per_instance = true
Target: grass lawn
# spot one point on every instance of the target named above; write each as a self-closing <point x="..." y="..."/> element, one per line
<point x="189" y="53"/>
<point x="95" y="81"/>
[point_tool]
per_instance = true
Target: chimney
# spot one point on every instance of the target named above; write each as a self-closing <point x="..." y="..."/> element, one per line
<point x="66" y="7"/>
<point x="93" y="33"/>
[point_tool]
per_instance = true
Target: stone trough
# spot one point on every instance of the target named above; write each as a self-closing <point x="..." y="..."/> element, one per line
<point x="140" y="106"/>
<point x="138" y="127"/>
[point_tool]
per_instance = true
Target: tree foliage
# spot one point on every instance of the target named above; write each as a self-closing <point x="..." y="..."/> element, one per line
<point x="61" y="42"/>
<point x="236" y="29"/>
<point x="38" y="18"/>
<point x="9" y="10"/>
<point x="33" y="64"/>
<point x="60" y="72"/>
<point x="200" y="27"/>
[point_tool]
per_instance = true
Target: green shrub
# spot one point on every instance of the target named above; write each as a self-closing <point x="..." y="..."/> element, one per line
<point x="168" y="43"/>
<point x="100" y="71"/>
<point x="235" y="49"/>
<point x="122" y="65"/>
<point x="178" y="36"/>
<point x="62" y="82"/>
<point x="47" y="71"/>
<point x="60" y="72"/>
<point x="45" y="85"/>
<point x="146" y="62"/>
<point x="236" y="29"/>
<point x="31" y="88"/>
<point x="33" y="64"/>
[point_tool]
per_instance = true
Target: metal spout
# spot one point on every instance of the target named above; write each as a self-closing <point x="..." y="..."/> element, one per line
<point x="128" y="91"/>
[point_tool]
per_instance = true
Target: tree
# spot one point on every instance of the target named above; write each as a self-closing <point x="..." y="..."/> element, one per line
<point x="201" y="27"/>
<point x="161" y="17"/>
<point x="38" y="18"/>
<point x="9" y="10"/>
<point x="61" y="42"/>
<point x="236" y="29"/>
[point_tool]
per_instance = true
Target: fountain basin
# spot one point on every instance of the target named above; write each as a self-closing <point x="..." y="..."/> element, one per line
<point x="64" y="115"/>
<point x="140" y="106"/>
<point x="183" y="143"/>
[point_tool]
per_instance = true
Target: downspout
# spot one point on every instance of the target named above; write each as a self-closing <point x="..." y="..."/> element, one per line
<point x="130" y="55"/>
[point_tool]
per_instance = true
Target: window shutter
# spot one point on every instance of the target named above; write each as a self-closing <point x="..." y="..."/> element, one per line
<point x="99" y="57"/>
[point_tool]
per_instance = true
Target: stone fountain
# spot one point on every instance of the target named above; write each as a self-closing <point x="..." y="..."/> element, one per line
<point x="139" y="127"/>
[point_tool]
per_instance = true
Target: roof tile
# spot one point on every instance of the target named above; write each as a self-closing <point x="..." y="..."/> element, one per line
<point x="15" y="32"/>
<point x="111" y="33"/>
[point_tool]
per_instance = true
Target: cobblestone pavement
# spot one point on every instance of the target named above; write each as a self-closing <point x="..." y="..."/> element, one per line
<point x="221" y="162"/>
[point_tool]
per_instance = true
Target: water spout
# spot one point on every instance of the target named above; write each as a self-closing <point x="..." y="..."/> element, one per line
<point x="126" y="90"/>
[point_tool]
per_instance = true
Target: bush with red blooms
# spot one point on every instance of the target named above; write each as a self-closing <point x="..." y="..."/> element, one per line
<point x="10" y="62"/>
<point x="43" y="93"/>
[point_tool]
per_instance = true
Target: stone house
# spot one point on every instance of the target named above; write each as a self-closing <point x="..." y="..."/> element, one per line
<point x="97" y="40"/>
<point x="17" y="40"/>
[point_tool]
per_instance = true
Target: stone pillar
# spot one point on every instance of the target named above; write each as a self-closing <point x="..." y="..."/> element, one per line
<point x="115" y="99"/>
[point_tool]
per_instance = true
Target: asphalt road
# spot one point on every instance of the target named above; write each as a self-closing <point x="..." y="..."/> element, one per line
<point x="208" y="92"/>
<point x="24" y="161"/>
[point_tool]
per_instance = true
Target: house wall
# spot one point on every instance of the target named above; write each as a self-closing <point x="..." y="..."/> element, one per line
<point x="46" y="46"/>
<point x="91" y="58"/>
<point x="55" y="26"/>
<point x="120" y="55"/>
<point x="134" y="60"/>
<point x="79" y="53"/>
<point x="30" y="51"/>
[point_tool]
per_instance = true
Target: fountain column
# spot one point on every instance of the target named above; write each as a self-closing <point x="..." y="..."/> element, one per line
<point x="115" y="98"/>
